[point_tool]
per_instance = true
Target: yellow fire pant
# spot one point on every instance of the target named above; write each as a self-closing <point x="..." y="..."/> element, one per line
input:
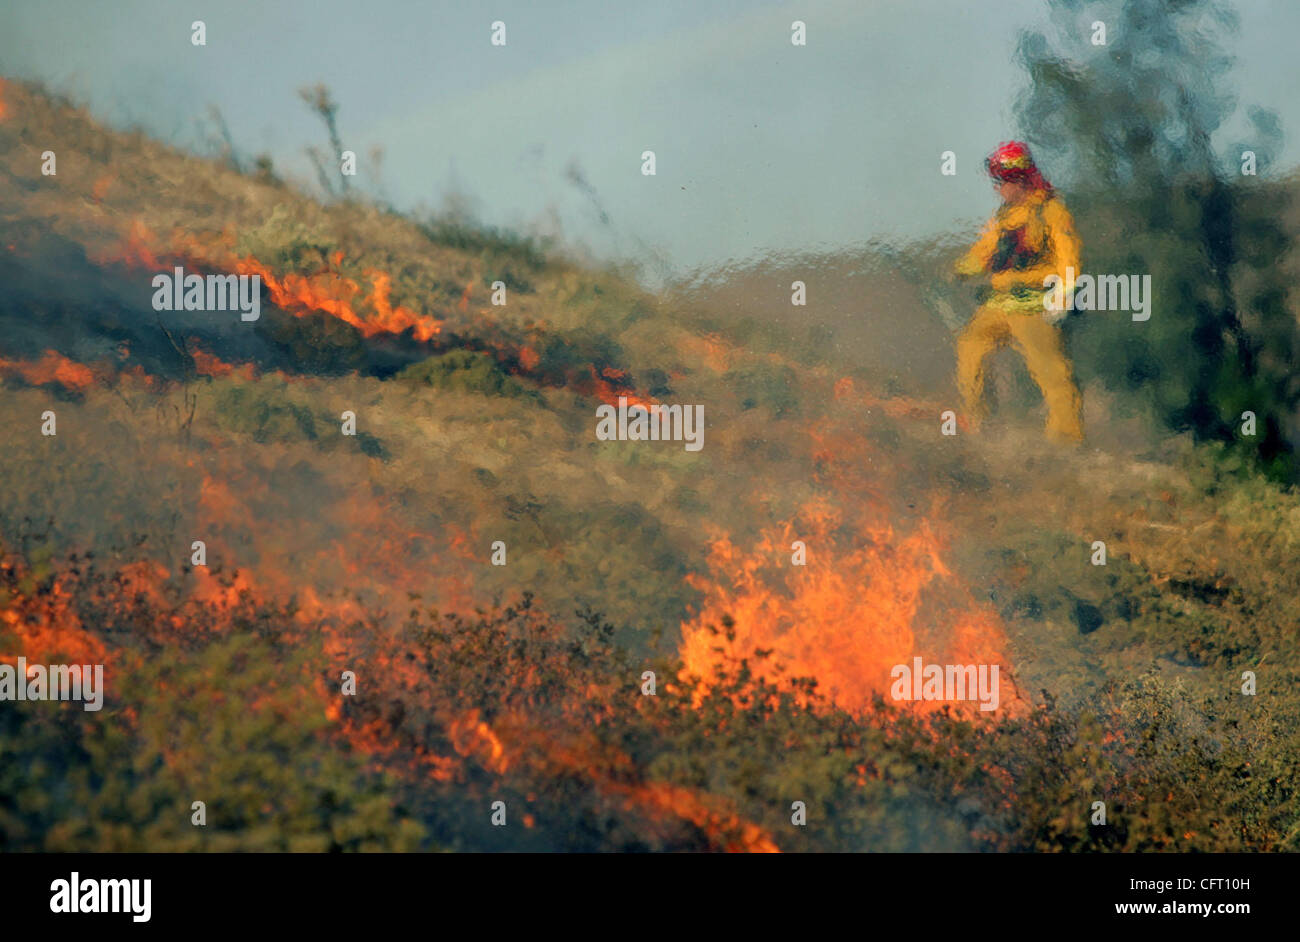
<point x="1004" y="319"/>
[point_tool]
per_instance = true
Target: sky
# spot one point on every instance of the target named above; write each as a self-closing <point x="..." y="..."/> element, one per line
<point x="760" y="146"/>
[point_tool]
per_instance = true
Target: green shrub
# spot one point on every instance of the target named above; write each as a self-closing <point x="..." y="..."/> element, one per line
<point x="465" y="371"/>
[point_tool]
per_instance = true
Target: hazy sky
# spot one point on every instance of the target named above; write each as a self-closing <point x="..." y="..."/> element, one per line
<point x="760" y="145"/>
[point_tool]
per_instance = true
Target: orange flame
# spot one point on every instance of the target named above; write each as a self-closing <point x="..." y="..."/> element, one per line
<point x="609" y="387"/>
<point x="845" y="617"/>
<point x="43" y="625"/>
<point x="334" y="293"/>
<point x="726" y="829"/>
<point x="327" y="292"/>
<point x="471" y="736"/>
<point x="207" y="364"/>
<point x="606" y="771"/>
<point x="51" y="368"/>
<point x="135" y="251"/>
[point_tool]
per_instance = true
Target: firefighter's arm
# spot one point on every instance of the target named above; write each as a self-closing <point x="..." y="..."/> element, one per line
<point x="981" y="253"/>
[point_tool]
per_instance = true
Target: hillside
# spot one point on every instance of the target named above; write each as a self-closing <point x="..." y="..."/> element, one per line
<point x="524" y="682"/>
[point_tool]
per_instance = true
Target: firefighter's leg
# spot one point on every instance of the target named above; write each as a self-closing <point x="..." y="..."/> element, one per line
<point x="1040" y="344"/>
<point x="980" y="337"/>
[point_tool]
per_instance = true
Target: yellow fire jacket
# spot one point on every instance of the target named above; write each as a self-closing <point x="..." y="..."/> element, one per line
<point x="1021" y="245"/>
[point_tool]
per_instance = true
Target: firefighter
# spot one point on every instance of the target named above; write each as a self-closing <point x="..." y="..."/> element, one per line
<point x="1030" y="237"/>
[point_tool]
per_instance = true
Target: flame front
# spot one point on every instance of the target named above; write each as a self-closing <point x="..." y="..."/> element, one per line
<point x="845" y="617"/>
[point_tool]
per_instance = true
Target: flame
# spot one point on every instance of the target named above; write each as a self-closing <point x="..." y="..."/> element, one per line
<point x="395" y="320"/>
<point x="471" y="736"/>
<point x="846" y="617"/>
<point x="207" y="364"/>
<point x="517" y="740"/>
<point x="370" y="311"/>
<point x="725" y="829"/>
<point x="135" y="251"/>
<point x="529" y="358"/>
<point x="610" y="385"/>
<point x="40" y="622"/>
<point x="4" y="108"/>
<point x="327" y="292"/>
<point x="53" y="367"/>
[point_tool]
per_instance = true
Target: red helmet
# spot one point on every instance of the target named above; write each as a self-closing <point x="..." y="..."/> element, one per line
<point x="1012" y="163"/>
